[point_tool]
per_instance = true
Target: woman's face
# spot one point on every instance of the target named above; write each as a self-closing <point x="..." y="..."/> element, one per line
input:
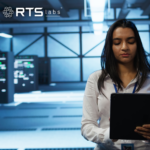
<point x="124" y="45"/>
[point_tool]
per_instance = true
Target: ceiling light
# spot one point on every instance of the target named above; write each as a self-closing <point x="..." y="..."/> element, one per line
<point x="98" y="26"/>
<point x="97" y="16"/>
<point x="97" y="8"/>
<point x="97" y="5"/>
<point x="98" y="32"/>
<point x="6" y="35"/>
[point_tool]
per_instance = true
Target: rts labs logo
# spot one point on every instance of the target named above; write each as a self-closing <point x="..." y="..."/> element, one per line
<point x="8" y="12"/>
<point x="38" y="12"/>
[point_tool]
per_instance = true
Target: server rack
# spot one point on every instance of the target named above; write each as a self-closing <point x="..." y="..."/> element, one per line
<point x="6" y="77"/>
<point x="26" y="73"/>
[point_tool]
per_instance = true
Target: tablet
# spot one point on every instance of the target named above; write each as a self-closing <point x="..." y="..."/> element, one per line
<point x="127" y="111"/>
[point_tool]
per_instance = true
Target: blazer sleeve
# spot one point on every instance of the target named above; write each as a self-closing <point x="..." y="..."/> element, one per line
<point x="90" y="129"/>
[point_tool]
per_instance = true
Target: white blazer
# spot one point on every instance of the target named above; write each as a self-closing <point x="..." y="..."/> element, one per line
<point x="96" y="113"/>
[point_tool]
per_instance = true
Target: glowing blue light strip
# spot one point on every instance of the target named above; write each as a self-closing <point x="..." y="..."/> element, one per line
<point x="97" y="5"/>
<point x="97" y="14"/>
<point x="6" y="35"/>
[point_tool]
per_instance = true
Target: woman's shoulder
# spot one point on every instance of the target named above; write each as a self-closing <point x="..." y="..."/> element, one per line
<point x="146" y="85"/>
<point x="95" y="75"/>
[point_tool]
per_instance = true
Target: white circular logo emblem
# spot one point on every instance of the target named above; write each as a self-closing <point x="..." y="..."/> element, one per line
<point x="8" y="12"/>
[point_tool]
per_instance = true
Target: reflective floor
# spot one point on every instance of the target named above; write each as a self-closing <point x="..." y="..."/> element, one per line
<point x="43" y="120"/>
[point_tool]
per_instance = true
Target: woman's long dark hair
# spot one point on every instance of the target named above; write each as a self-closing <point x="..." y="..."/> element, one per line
<point x="109" y="62"/>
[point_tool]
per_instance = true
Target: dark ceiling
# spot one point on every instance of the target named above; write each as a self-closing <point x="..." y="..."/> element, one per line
<point x="67" y="5"/>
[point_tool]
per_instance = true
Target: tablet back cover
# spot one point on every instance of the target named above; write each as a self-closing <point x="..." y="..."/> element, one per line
<point x="127" y="111"/>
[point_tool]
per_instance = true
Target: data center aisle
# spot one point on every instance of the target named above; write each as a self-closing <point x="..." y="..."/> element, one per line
<point x="43" y="120"/>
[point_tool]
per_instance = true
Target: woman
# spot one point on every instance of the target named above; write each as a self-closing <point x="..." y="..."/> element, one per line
<point x="125" y="65"/>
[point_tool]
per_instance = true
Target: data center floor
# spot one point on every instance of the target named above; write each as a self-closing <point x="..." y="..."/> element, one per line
<point x="43" y="120"/>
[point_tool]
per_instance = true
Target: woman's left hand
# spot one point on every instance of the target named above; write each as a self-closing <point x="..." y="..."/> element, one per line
<point x="144" y="131"/>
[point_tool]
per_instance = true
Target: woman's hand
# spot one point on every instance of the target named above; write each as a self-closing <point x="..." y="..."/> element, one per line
<point x="144" y="131"/>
